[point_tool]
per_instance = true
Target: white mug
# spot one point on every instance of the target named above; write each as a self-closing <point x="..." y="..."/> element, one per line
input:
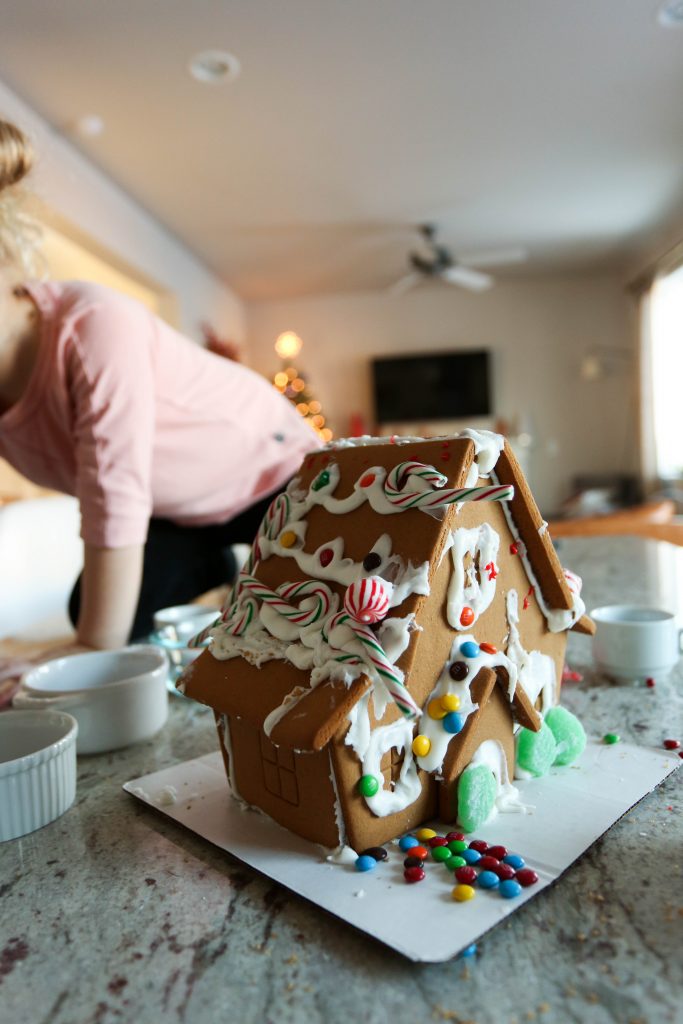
<point x="174" y="627"/>
<point x="633" y="642"/>
<point x="117" y="697"/>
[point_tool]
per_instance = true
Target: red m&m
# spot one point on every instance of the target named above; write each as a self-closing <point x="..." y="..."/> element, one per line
<point x="414" y="874"/>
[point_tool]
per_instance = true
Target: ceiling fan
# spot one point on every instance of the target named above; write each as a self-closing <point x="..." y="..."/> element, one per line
<point x="436" y="262"/>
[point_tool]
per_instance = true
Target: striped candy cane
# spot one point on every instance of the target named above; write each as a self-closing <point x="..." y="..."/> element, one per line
<point x="280" y="599"/>
<point x="239" y="615"/>
<point x="431" y="499"/>
<point x="375" y="659"/>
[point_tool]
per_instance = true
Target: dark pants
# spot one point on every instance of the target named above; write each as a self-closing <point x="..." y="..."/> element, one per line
<point x="182" y="562"/>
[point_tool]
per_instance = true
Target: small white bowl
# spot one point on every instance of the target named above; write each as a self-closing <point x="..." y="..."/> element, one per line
<point x="117" y="697"/>
<point x="37" y="769"/>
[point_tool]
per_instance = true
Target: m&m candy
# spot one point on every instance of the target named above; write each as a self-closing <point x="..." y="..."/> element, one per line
<point x="435" y="709"/>
<point x="514" y="860"/>
<point x="672" y="744"/>
<point x="509" y="889"/>
<point x="438" y="841"/>
<point x="421" y="745"/>
<point x="368" y="785"/>
<point x="441" y="853"/>
<point x="413" y="862"/>
<point x="378" y="852"/>
<point x="489" y="863"/>
<point x="450" y="702"/>
<point x="288" y="539"/>
<point x="466" y="616"/>
<point x="611" y="737"/>
<point x="526" y="877"/>
<point x="488" y="648"/>
<point x="458" y="671"/>
<point x="420" y="851"/>
<point x="463" y="893"/>
<point x="497" y="851"/>
<point x="405" y="842"/>
<point x="414" y="874"/>
<point x="457" y="845"/>
<point x="471" y="856"/>
<point x="372" y="561"/>
<point x="480" y="845"/>
<point x="450" y="836"/>
<point x="423" y="834"/>
<point x="488" y="880"/>
<point x="466" y="875"/>
<point x="326" y="556"/>
<point x="365" y="863"/>
<point x="454" y="862"/>
<point x="505" y="872"/>
<point x="453" y="722"/>
<point x="469" y="649"/>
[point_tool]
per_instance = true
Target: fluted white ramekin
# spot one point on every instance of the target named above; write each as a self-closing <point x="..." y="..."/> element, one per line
<point x="37" y="769"/>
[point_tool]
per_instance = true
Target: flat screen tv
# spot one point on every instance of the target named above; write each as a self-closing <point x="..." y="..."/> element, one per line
<point x="436" y="386"/>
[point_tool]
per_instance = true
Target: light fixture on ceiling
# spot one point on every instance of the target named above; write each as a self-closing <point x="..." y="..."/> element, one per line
<point x="214" y="67"/>
<point x="670" y="14"/>
<point x="89" y="126"/>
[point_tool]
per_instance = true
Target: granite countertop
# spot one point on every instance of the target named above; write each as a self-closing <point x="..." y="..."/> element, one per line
<point x="114" y="913"/>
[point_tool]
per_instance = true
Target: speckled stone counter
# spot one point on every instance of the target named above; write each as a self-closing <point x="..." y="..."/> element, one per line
<point x="115" y="914"/>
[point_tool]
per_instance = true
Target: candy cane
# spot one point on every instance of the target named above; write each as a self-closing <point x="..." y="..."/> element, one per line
<point x="279" y="599"/>
<point x="238" y="617"/>
<point x="430" y="499"/>
<point x="375" y="658"/>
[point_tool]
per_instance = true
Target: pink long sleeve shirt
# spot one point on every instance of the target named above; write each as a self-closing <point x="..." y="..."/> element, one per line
<point x="136" y="421"/>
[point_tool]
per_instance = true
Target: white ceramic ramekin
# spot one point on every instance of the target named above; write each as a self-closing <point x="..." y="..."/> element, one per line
<point x="37" y="769"/>
<point x="117" y="697"/>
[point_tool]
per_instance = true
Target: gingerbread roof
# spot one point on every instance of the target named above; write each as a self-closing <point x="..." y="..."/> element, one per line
<point x="306" y="717"/>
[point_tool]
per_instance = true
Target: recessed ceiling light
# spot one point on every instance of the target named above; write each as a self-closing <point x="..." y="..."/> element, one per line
<point x="214" y="67"/>
<point x="670" y="14"/>
<point x="89" y="126"/>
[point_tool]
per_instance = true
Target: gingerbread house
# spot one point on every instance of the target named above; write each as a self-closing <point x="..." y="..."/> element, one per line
<point x="402" y="615"/>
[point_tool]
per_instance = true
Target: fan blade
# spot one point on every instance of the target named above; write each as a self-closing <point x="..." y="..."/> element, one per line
<point x="404" y="284"/>
<point x="474" y="280"/>
<point x="494" y="257"/>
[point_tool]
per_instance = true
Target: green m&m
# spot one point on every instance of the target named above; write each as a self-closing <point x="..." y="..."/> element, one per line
<point x="368" y="785"/>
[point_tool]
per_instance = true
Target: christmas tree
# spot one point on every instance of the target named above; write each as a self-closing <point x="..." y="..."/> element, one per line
<point x="291" y="383"/>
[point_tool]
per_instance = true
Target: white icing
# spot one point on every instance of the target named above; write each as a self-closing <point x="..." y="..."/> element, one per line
<point x="338" y="813"/>
<point x="474" y="587"/>
<point x="227" y="743"/>
<point x="535" y="671"/>
<point x="433" y="728"/>
<point x="407" y="788"/>
<point x="358" y="733"/>
<point x="281" y="710"/>
<point x="487" y="448"/>
<point x="342" y="854"/>
<point x="167" y="796"/>
<point x="491" y="754"/>
<point x="559" y="620"/>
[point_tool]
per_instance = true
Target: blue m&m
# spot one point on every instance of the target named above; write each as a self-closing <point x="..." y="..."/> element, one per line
<point x="514" y="860"/>
<point x="509" y="889"/>
<point x="469" y="649"/>
<point x="488" y="880"/>
<point x="452" y="722"/>
<point x="366" y="863"/>
<point x="470" y="856"/>
<point x="406" y="842"/>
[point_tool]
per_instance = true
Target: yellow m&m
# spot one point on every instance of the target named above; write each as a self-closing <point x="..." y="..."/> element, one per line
<point x="421" y="747"/>
<point x="435" y="709"/>
<point x="463" y="893"/>
<point x="450" y="702"/>
<point x="288" y="539"/>
<point x="423" y="834"/>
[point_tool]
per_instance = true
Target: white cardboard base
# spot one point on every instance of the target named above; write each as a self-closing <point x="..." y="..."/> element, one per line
<point x="572" y="807"/>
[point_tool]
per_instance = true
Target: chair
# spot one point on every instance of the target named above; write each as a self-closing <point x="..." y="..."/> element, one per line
<point x="654" y="520"/>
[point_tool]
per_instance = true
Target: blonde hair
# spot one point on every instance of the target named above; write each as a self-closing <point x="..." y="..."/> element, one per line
<point x="19" y="233"/>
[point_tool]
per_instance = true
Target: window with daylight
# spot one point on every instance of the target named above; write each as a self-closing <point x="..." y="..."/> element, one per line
<point x="391" y="764"/>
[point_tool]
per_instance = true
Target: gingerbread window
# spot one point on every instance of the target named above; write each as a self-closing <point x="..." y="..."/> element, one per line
<point x="279" y="771"/>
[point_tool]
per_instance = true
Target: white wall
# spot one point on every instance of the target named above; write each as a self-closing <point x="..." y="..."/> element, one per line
<point x="77" y="191"/>
<point x="537" y="330"/>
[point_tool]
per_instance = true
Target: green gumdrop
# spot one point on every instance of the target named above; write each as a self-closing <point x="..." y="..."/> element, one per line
<point x="569" y="734"/>
<point x="536" y="751"/>
<point x="476" y="796"/>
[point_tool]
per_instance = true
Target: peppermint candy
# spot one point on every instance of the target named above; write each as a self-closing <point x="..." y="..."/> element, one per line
<point x="367" y="600"/>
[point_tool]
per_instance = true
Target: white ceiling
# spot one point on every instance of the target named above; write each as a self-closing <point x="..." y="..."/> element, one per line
<point x="552" y="124"/>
